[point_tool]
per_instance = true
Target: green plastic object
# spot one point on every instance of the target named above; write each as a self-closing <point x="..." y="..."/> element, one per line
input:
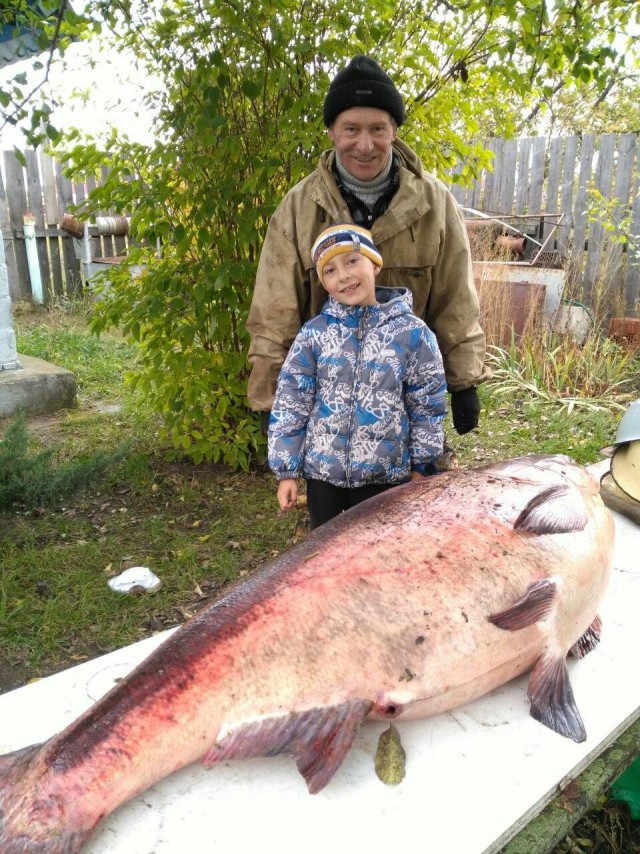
<point x="627" y="788"/>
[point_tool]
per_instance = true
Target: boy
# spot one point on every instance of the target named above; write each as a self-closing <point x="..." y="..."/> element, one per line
<point x="361" y="396"/>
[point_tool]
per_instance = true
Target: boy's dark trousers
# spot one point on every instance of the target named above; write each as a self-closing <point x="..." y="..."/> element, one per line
<point x="324" y="500"/>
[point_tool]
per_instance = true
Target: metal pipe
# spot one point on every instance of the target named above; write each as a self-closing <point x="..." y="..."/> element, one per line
<point x="512" y="243"/>
<point x="32" y="258"/>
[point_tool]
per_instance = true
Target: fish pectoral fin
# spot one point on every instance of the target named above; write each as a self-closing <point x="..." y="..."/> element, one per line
<point x="318" y="739"/>
<point x="534" y="605"/>
<point x="589" y="640"/>
<point x="557" y="510"/>
<point x="552" y="701"/>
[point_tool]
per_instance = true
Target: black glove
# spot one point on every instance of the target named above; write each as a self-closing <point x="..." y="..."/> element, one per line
<point x="264" y="422"/>
<point x="465" y="408"/>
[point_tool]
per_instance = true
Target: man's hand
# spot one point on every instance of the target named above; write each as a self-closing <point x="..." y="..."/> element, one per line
<point x="287" y="493"/>
<point x="465" y="408"/>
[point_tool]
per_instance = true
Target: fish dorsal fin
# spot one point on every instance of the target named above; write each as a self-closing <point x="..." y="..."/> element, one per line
<point x="552" y="701"/>
<point x="318" y="739"/>
<point x="534" y="605"/>
<point x="557" y="510"/>
<point x="589" y="640"/>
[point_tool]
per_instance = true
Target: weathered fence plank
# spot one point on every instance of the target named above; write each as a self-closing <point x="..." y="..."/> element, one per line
<point x="632" y="271"/>
<point x="621" y="209"/>
<point x="492" y="179"/>
<point x="35" y="207"/>
<point x="566" y="193"/>
<point x="73" y="277"/>
<point x="602" y="184"/>
<point x="508" y="176"/>
<point x="580" y="211"/>
<point x="538" y="151"/>
<point x="13" y="273"/>
<point x="522" y="176"/>
<point x="51" y="218"/>
<point x="17" y="203"/>
<point x="553" y="183"/>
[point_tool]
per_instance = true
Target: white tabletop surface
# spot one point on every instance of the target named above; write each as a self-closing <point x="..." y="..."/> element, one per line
<point x="474" y="776"/>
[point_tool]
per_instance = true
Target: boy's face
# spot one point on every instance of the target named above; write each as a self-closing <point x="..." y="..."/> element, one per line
<point x="350" y="278"/>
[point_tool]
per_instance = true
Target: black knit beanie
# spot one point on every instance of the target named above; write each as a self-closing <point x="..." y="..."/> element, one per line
<point x="362" y="84"/>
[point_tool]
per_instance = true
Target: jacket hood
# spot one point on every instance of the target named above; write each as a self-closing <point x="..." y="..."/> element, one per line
<point x="392" y="302"/>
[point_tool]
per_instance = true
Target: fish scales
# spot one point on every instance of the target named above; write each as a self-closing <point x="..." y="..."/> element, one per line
<point x="409" y="604"/>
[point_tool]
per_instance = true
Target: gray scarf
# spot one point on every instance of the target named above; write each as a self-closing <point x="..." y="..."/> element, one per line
<point x="367" y="191"/>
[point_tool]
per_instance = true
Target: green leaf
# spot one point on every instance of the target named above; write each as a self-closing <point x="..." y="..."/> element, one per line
<point x="251" y="89"/>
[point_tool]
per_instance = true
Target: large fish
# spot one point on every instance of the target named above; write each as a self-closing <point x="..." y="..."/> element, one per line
<point x="412" y="603"/>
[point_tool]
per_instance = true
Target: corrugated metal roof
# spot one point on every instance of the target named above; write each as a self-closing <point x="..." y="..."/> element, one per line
<point x="17" y="44"/>
<point x="14" y="49"/>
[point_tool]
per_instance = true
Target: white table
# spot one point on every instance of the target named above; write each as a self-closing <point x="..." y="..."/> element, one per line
<point x="475" y="776"/>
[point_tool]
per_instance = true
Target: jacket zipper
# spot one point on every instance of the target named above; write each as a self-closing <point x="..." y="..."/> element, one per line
<point x="360" y="333"/>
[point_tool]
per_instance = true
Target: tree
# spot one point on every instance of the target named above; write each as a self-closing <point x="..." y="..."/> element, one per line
<point x="585" y="108"/>
<point x="239" y="121"/>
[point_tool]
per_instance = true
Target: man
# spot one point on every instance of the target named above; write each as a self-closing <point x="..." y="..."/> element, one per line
<point x="370" y="178"/>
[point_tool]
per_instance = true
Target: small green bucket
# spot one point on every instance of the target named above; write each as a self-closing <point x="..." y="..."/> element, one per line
<point x="627" y="788"/>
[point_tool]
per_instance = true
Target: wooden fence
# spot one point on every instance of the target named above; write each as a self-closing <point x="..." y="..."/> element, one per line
<point x="42" y="192"/>
<point x="530" y="176"/>
<point x="537" y="175"/>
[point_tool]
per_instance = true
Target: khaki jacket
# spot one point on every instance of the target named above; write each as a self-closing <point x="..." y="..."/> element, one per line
<point x="424" y="245"/>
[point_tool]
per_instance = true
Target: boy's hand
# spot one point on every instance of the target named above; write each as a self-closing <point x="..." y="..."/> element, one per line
<point x="415" y="475"/>
<point x="287" y="493"/>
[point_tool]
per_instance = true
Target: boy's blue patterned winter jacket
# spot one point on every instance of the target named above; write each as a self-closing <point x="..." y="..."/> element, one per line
<point x="360" y="397"/>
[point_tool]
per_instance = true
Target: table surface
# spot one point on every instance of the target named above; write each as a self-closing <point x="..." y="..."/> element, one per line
<point x="474" y="777"/>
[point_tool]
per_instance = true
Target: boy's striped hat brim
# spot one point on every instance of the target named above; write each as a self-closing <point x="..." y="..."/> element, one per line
<point x="338" y="239"/>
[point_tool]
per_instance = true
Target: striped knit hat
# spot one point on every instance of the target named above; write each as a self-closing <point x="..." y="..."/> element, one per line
<point x="338" y="239"/>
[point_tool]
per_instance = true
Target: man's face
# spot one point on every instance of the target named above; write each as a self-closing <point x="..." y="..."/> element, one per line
<point x="362" y="137"/>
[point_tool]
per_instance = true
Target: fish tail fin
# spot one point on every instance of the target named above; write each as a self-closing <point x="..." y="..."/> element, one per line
<point x="12" y="768"/>
<point x="318" y="738"/>
<point x="16" y="836"/>
<point x="552" y="701"/>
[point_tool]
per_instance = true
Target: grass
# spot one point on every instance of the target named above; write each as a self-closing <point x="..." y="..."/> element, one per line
<point x="200" y="527"/>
